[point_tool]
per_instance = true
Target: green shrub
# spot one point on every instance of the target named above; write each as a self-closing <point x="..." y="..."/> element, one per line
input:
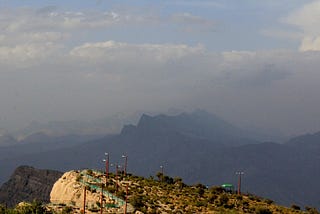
<point x="67" y="210"/>
<point x="34" y="207"/>
<point x="263" y="210"/>
<point x="136" y="201"/>
<point x="222" y="200"/>
<point x="121" y="194"/>
<point x="311" y="210"/>
<point x="216" y="190"/>
<point x="269" y="201"/>
<point x="239" y="197"/>
<point x="295" y="207"/>
<point x="89" y="172"/>
<point x="78" y="178"/>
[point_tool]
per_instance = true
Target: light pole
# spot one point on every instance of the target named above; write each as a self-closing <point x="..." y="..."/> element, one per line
<point x="125" y="164"/>
<point x="239" y="181"/>
<point x="126" y="200"/>
<point x="107" y="166"/>
<point x="162" y="175"/>
<point x="117" y="169"/>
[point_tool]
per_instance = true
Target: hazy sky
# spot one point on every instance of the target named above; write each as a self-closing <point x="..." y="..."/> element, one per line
<point x="254" y="63"/>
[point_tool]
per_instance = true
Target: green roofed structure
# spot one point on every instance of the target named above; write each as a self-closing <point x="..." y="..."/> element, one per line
<point x="228" y="187"/>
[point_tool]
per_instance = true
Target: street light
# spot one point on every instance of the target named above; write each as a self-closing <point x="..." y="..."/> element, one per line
<point x="239" y="181"/>
<point x="162" y="175"/>
<point x="125" y="164"/>
<point x="117" y="169"/>
<point x="107" y="166"/>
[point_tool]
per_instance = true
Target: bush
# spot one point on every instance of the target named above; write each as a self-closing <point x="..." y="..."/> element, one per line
<point x="200" y="191"/>
<point x="89" y="172"/>
<point x="216" y="190"/>
<point x="239" y="197"/>
<point x="136" y="201"/>
<point x="263" y="211"/>
<point x="121" y="194"/>
<point x="34" y="207"/>
<point x="67" y="210"/>
<point x="311" y="210"/>
<point x="212" y="198"/>
<point x="223" y="200"/>
<point x="269" y="201"/>
<point x="295" y="207"/>
<point x="78" y="178"/>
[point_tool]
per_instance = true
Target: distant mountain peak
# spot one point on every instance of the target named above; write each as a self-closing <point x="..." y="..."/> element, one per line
<point x="198" y="125"/>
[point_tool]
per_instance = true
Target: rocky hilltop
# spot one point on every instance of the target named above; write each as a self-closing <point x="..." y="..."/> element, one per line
<point x="95" y="192"/>
<point x="163" y="194"/>
<point x="28" y="184"/>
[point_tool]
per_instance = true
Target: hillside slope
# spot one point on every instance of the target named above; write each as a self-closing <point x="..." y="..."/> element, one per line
<point x="28" y="184"/>
<point x="162" y="195"/>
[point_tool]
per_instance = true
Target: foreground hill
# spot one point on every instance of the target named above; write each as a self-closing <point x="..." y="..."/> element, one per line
<point x="28" y="184"/>
<point x="287" y="173"/>
<point x="161" y="195"/>
<point x="93" y="191"/>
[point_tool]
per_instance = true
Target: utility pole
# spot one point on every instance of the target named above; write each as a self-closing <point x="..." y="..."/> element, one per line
<point x="84" y="199"/>
<point x="162" y="175"/>
<point x="125" y="164"/>
<point x="239" y="181"/>
<point x="101" y="199"/>
<point x="107" y="166"/>
<point x="117" y="166"/>
<point x="126" y="204"/>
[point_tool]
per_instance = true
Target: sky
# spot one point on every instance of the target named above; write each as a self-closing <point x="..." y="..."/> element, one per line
<point x="253" y="63"/>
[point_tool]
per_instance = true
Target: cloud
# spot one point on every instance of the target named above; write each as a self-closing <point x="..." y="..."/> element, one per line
<point x="199" y="3"/>
<point x="192" y="23"/>
<point x="310" y="43"/>
<point x="26" y="55"/>
<point x="58" y="65"/>
<point x="93" y="79"/>
<point x="282" y="34"/>
<point x="115" y="51"/>
<point x="307" y="19"/>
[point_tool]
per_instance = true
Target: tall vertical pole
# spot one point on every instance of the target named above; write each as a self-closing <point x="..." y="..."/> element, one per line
<point x="107" y="167"/>
<point x="126" y="204"/>
<point x="84" y="199"/>
<point x="125" y="164"/>
<point x="239" y="181"/>
<point x="101" y="199"/>
<point x="162" y="175"/>
<point x="117" y="177"/>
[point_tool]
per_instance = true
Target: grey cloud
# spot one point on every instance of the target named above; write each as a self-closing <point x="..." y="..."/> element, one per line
<point x="45" y="77"/>
<point x="192" y="23"/>
<point x="46" y="10"/>
<point x="248" y="88"/>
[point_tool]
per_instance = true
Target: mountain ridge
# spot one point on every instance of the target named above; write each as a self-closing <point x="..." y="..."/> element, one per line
<point x="286" y="169"/>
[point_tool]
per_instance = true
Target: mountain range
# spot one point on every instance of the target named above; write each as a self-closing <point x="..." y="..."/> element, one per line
<point x="199" y="147"/>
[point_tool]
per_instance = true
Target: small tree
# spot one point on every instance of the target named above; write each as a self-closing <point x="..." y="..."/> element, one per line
<point x="160" y="176"/>
<point x="137" y="201"/>
<point x="295" y="207"/>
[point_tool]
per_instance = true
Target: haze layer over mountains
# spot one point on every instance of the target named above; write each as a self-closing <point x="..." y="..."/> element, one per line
<point x="198" y="146"/>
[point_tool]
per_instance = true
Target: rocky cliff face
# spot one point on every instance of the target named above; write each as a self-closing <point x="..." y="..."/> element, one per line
<point x="28" y="184"/>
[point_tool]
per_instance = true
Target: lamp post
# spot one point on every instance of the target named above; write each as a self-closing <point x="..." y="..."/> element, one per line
<point x="107" y="166"/>
<point x="126" y="200"/>
<point x="117" y="169"/>
<point x="101" y="199"/>
<point x="125" y="164"/>
<point x="239" y="181"/>
<point x="162" y="175"/>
